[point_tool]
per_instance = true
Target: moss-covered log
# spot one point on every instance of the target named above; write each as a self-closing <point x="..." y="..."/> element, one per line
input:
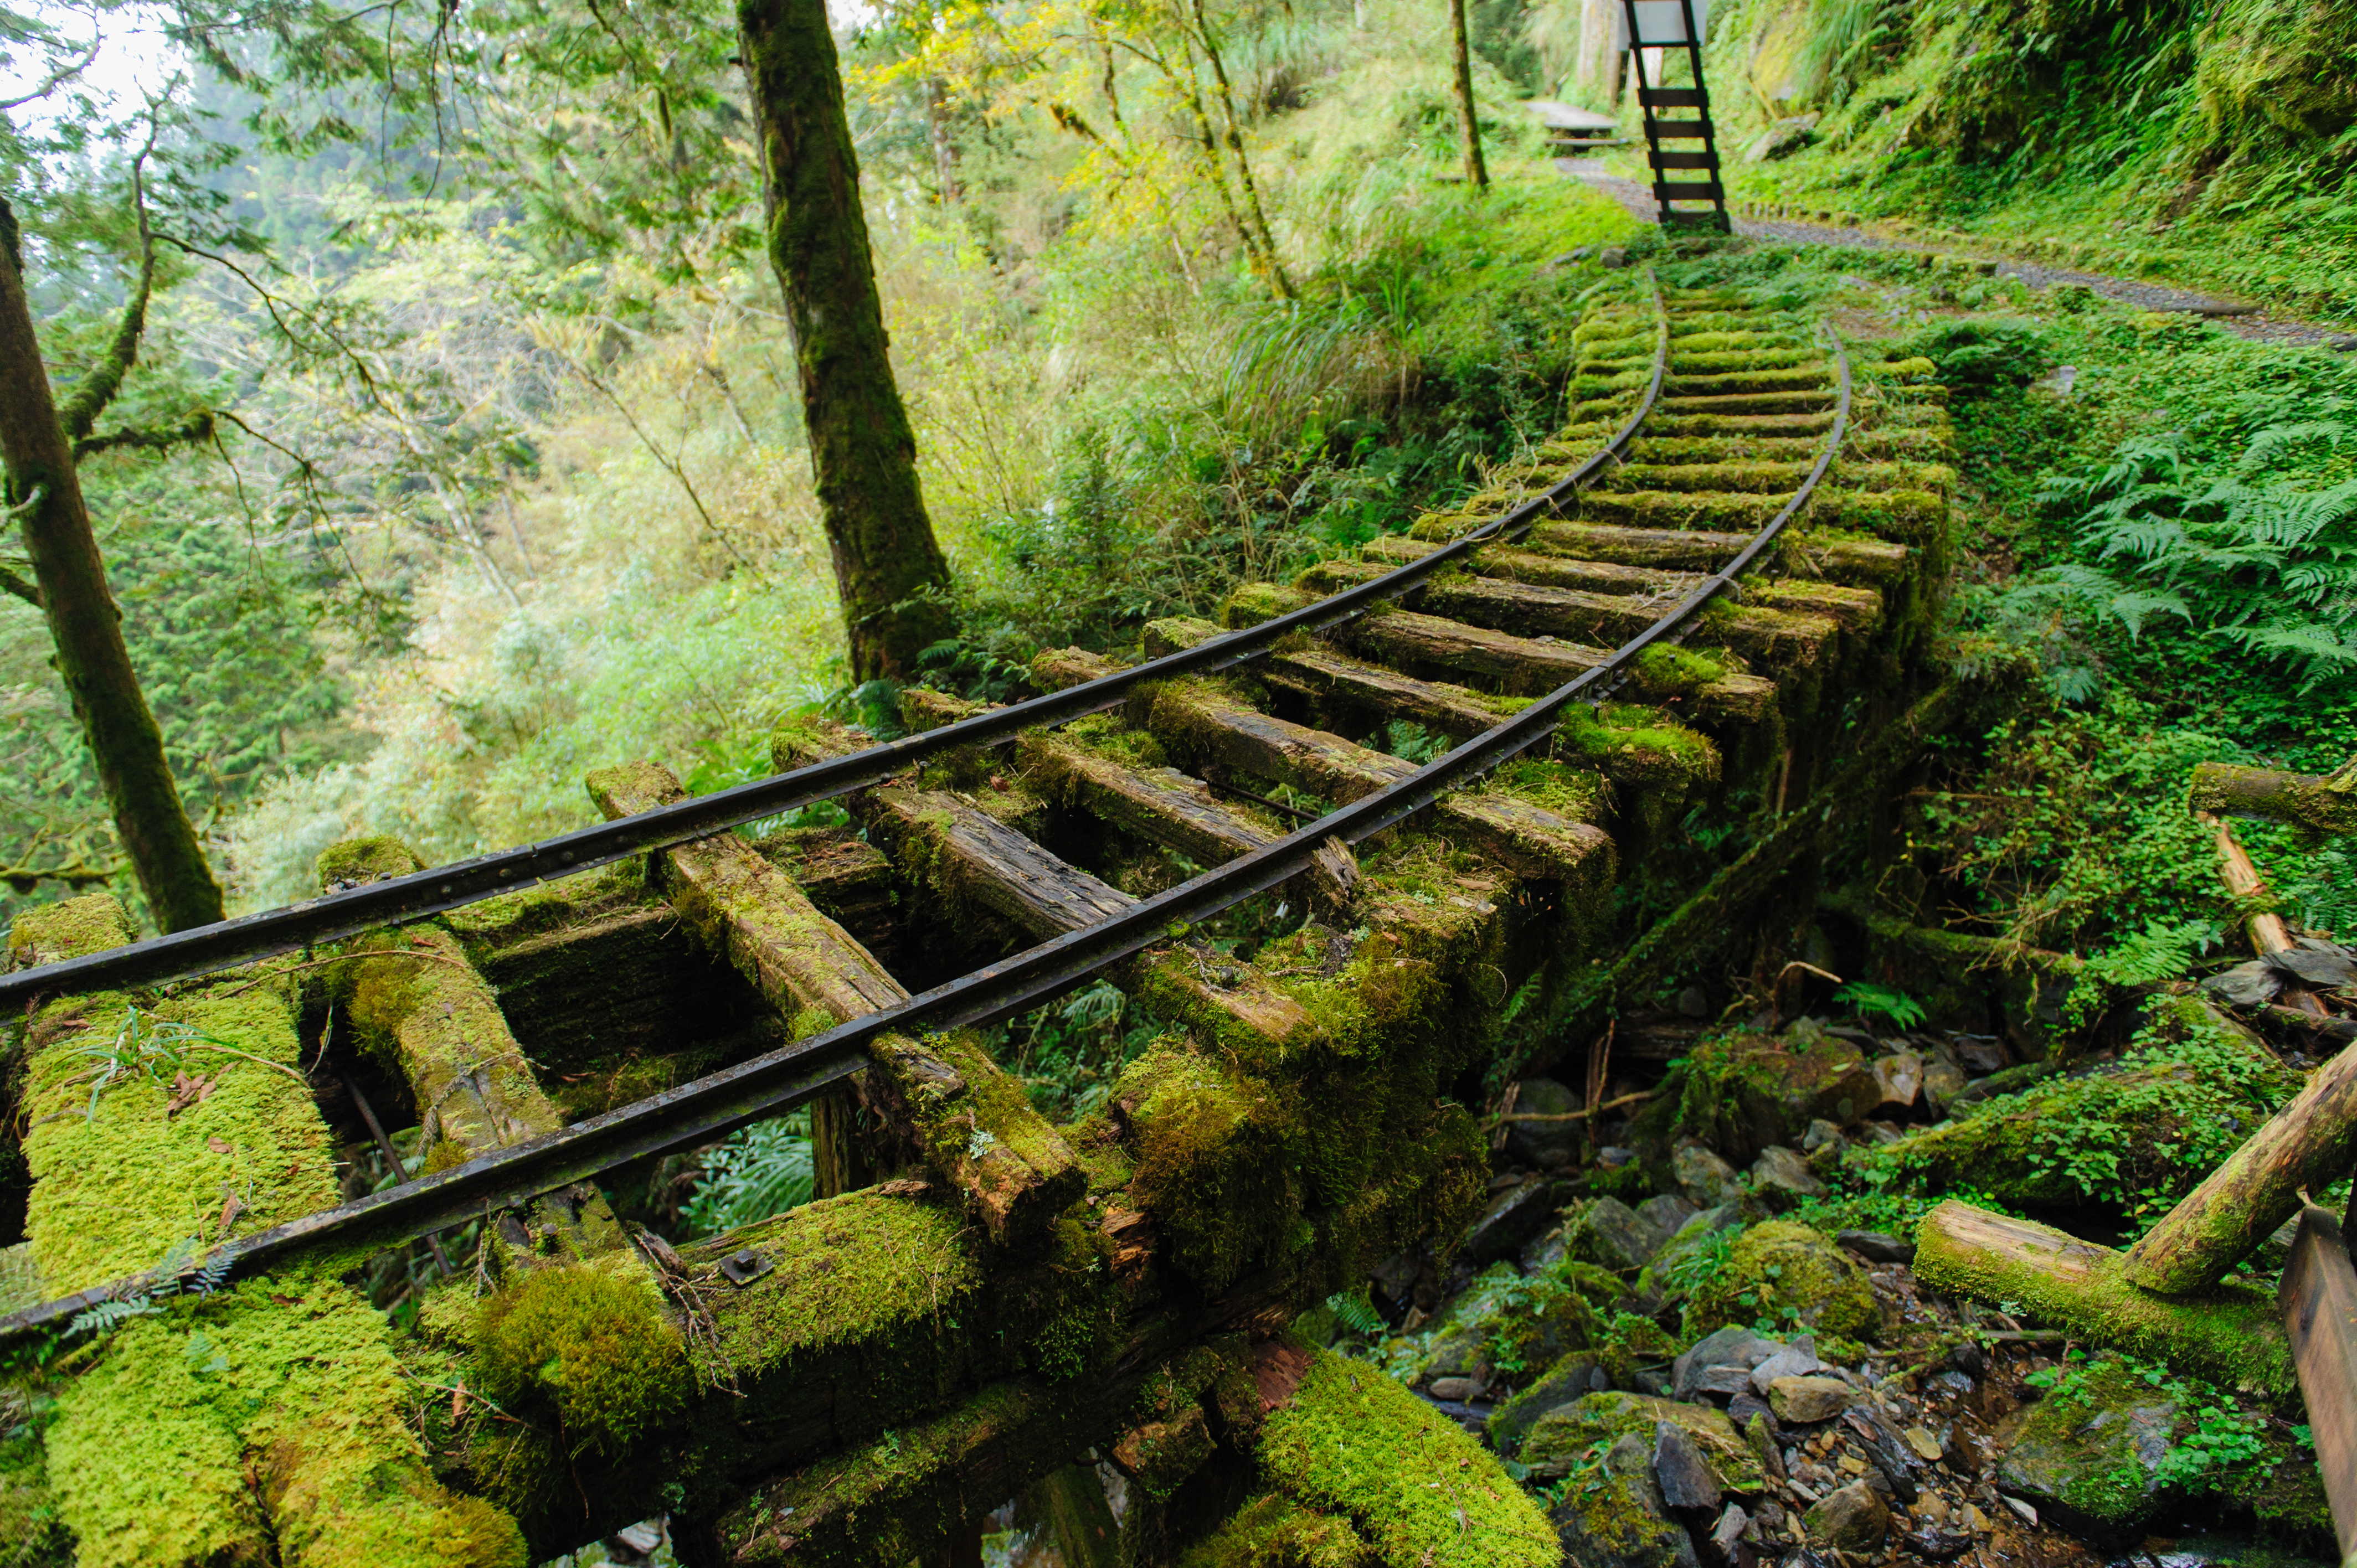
<point x="2308" y="1145"/>
<point x="2326" y="804"/>
<point x="2231" y="1335"/>
<point x="265" y="1423"/>
<point x="1152" y="802"/>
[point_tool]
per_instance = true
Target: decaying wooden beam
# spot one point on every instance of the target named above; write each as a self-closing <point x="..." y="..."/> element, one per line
<point x="131" y="1165"/>
<point x="1160" y="805"/>
<point x="2230" y="1335"/>
<point x="2318" y="1295"/>
<point x="1197" y="720"/>
<point x="2267" y="931"/>
<point x="2308" y="1145"/>
<point x="982" y="1134"/>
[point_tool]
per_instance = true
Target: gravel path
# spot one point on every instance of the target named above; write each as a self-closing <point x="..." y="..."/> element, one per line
<point x="2243" y="320"/>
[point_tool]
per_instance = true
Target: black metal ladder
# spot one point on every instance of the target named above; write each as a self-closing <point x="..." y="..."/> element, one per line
<point x="1681" y="175"/>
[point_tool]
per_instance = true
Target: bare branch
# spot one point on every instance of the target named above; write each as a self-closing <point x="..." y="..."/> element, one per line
<point x="58" y="77"/>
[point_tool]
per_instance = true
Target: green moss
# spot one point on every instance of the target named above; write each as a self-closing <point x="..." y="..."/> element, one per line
<point x="591" y="1341"/>
<point x="356" y="861"/>
<point x="2140" y="1132"/>
<point x="255" y="1135"/>
<point x="1356" y="1444"/>
<point x="1787" y="1272"/>
<point x="1665" y="670"/>
<point x="1253" y="603"/>
<point x="269" y="1422"/>
<point x="69" y="929"/>
<point x="2230" y="1334"/>
<point x="1558" y="1440"/>
<point x="1274" y="1531"/>
<point x="1207" y="1169"/>
<point x="1640" y="750"/>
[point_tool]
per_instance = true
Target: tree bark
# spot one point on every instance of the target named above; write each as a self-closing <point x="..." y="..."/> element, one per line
<point x="937" y="121"/>
<point x="86" y="624"/>
<point x="887" y="566"/>
<point x="1468" y="124"/>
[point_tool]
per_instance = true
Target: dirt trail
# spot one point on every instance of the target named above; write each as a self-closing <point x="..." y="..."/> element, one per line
<point x="2235" y="316"/>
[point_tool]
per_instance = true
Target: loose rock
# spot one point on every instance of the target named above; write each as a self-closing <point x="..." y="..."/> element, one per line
<point x="1621" y="1521"/>
<point x="1807" y="1400"/>
<point x="1783" y="1171"/>
<point x="1545" y="1143"/>
<point x="1685" y="1479"/>
<point x="1878" y="1247"/>
<point x="1706" y="1180"/>
<point x="1853" y="1519"/>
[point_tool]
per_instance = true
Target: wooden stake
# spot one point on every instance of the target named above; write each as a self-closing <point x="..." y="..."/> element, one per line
<point x="2319" y="1297"/>
<point x="2267" y="932"/>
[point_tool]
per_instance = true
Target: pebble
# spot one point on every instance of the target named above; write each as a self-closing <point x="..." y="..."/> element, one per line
<point x="1926" y="1446"/>
<point x="1453" y="1391"/>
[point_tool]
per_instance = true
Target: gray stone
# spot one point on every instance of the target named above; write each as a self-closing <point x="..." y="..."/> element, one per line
<point x="1877" y="1246"/>
<point x="1900" y="1076"/>
<point x="1666" y="1213"/>
<point x="1619" y="1520"/>
<point x="1615" y="256"/>
<point x="1568" y="1379"/>
<point x="1693" y="1002"/>
<point x="1728" y="1346"/>
<point x="1796" y="1360"/>
<point x="1782" y="139"/>
<point x="1690" y="1236"/>
<point x="1809" y="1399"/>
<point x="1706" y="1180"/>
<point x="1783" y="1170"/>
<point x="1723" y="1381"/>
<point x="2071" y="1458"/>
<point x="1545" y="1143"/>
<point x="1823" y="1135"/>
<point x="1759" y="1430"/>
<point x="1853" y="1519"/>
<point x="1618" y="1237"/>
<point x="1685" y="1479"/>
<point x="1726" y="1535"/>
<point x="1513" y="1219"/>
<point x="1884" y="1450"/>
<point x="1455" y="1390"/>
<point x="1942" y="1081"/>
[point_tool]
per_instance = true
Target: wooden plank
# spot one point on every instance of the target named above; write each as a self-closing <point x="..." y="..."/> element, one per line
<point x="1782" y="638"/>
<point x="2319" y="1297"/>
<point x="988" y="864"/>
<point x="1160" y="805"/>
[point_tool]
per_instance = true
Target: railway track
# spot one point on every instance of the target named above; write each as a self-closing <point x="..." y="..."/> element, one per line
<point x="1676" y="597"/>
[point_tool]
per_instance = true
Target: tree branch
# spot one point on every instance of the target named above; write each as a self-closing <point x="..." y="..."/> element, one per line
<point x="105" y="379"/>
<point x="12" y="584"/>
<point x="199" y="426"/>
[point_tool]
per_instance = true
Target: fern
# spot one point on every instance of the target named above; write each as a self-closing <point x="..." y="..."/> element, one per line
<point x="1881" y="1001"/>
<point x="109" y="1315"/>
<point x="756" y="1172"/>
<point x="1354" y="1312"/>
<point x="2261" y="555"/>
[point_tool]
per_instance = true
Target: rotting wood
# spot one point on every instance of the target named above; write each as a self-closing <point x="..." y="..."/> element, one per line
<point x="815" y="974"/>
<point x="2231" y="1335"/>
<point x="2308" y="1145"/>
<point x="1195" y="720"/>
<point x="2325" y="803"/>
<point x="2318" y="1295"/>
<point x="2267" y="931"/>
<point x="1160" y="805"/>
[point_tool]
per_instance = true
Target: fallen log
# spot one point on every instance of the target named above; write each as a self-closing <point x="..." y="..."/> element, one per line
<point x="2309" y="1143"/>
<point x="2326" y="803"/>
<point x="2230" y="1336"/>
<point x="2318" y="1298"/>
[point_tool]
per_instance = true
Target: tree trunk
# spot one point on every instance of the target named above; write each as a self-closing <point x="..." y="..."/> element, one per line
<point x="2324" y="804"/>
<point x="1468" y="124"/>
<point x="937" y="121"/>
<point x="886" y="564"/>
<point x="86" y="624"/>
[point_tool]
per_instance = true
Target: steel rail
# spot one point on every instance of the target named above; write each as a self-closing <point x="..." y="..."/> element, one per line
<point x="332" y="917"/>
<point x="715" y="1105"/>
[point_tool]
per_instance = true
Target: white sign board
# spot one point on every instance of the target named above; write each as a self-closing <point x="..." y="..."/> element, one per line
<point x="1663" y="22"/>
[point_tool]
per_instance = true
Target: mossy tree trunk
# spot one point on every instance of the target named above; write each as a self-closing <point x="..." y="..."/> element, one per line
<point x="887" y="566"/>
<point x="45" y="491"/>
<point x="1469" y="125"/>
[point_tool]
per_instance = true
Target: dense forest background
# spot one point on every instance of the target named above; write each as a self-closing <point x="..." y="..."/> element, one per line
<point x="507" y="480"/>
